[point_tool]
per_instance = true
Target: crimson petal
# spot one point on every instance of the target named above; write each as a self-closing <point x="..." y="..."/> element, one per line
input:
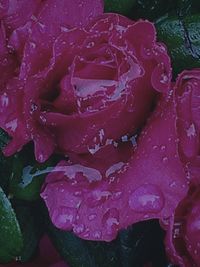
<point x="96" y="204"/>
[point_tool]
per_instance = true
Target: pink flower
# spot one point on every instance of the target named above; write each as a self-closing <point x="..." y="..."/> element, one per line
<point x="82" y="82"/>
<point x="96" y="198"/>
<point x="182" y="241"/>
<point x="97" y="201"/>
<point x="27" y="35"/>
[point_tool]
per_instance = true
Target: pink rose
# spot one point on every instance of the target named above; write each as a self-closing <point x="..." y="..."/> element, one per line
<point x="182" y="240"/>
<point x="97" y="201"/>
<point x="27" y="35"/>
<point x="97" y="198"/>
<point x="81" y="83"/>
<point x="187" y="103"/>
<point x="183" y="235"/>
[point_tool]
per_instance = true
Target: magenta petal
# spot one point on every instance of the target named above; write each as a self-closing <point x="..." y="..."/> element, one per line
<point x="65" y="15"/>
<point x="182" y="240"/>
<point x="150" y="186"/>
<point x="187" y="92"/>
<point x="69" y="14"/>
<point x="19" y="12"/>
<point x="3" y="8"/>
<point x="7" y="60"/>
<point x="12" y="119"/>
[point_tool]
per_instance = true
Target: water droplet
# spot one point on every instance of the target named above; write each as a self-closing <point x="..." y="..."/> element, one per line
<point x="191" y="132"/>
<point x="146" y="52"/>
<point x="4" y="100"/>
<point x="172" y="184"/>
<point x="110" y="221"/>
<point x="91" y="217"/>
<point x="97" y="197"/>
<point x="94" y="149"/>
<point x="64" y="217"/>
<point x="176" y="233"/>
<point x="40" y="157"/>
<point x="64" y="29"/>
<point x="43" y="119"/>
<point x="164" y="78"/>
<point x="12" y="125"/>
<point x="34" y="107"/>
<point x="90" y="45"/>
<point x="163" y="148"/>
<point x="79" y="229"/>
<point x="124" y="138"/>
<point x="4" y="62"/>
<point x="32" y="45"/>
<point x="116" y="195"/>
<point x="114" y="169"/>
<point x="146" y="198"/>
<point x="165" y="160"/>
<point x="97" y="234"/>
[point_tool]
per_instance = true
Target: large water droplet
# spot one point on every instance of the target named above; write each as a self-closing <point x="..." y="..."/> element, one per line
<point x="79" y="229"/>
<point x="64" y="217"/>
<point x="146" y="198"/>
<point x="97" y="234"/>
<point x="111" y="221"/>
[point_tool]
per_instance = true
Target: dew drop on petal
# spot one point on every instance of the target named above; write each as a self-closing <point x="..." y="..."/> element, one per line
<point x="110" y="221"/>
<point x="64" y="217"/>
<point x="91" y="217"/>
<point x="79" y="229"/>
<point x="97" y="234"/>
<point x="146" y="198"/>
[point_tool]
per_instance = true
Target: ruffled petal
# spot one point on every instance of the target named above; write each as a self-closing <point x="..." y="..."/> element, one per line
<point x="182" y="240"/>
<point x="96" y="204"/>
<point x="12" y="119"/>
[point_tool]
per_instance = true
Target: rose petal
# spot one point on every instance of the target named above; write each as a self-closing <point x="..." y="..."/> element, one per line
<point x="151" y="187"/>
<point x="66" y="15"/>
<point x="7" y="60"/>
<point x="19" y="13"/>
<point x="182" y="240"/>
<point x="3" y="8"/>
<point x="187" y="98"/>
<point x="12" y="119"/>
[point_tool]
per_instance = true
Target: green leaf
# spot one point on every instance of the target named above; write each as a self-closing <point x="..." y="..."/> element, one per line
<point x="28" y="177"/>
<point x="31" y="232"/>
<point x="141" y="243"/>
<point x="4" y="139"/>
<point x="82" y="253"/>
<point x="154" y="9"/>
<point x="5" y="163"/>
<point x="119" y="6"/>
<point x="151" y="9"/>
<point x="11" y="241"/>
<point x="182" y="37"/>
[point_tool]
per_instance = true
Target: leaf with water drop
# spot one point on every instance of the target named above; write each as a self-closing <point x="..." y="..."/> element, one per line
<point x="28" y="177"/>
